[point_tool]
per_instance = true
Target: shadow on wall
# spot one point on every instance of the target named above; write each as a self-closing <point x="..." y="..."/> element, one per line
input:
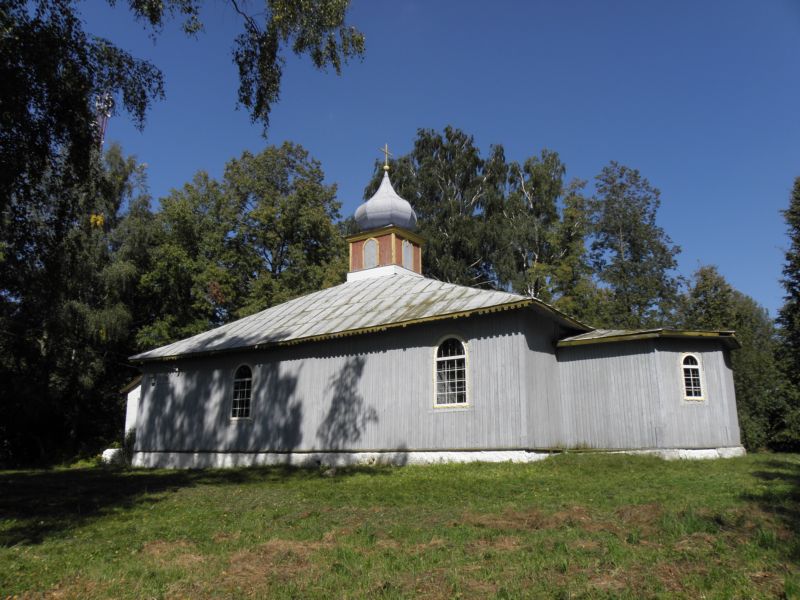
<point x="348" y="415"/>
<point x="278" y="414"/>
<point x="189" y="410"/>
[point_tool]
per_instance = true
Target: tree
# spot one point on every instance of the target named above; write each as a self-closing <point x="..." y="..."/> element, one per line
<point x="191" y="281"/>
<point x="540" y="235"/>
<point x="54" y="74"/>
<point x="708" y="303"/>
<point x="573" y="289"/>
<point x="789" y="313"/>
<point x="526" y="227"/>
<point x="64" y="320"/>
<point x="789" y="321"/>
<point x="288" y="226"/>
<point x="224" y="249"/>
<point x="452" y="189"/>
<point x="762" y="390"/>
<point x="630" y="253"/>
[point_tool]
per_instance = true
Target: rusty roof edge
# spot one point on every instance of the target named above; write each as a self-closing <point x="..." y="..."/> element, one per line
<point x="728" y="337"/>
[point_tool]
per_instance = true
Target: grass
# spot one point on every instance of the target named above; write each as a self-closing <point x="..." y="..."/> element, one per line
<point x="594" y="526"/>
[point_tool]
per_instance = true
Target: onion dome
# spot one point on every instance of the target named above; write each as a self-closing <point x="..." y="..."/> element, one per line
<point x="386" y="208"/>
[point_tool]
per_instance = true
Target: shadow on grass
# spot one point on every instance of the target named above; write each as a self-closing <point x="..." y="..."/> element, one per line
<point x="45" y="503"/>
<point x="781" y="498"/>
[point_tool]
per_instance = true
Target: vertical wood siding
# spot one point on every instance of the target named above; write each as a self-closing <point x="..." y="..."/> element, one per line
<point x="366" y="392"/>
<point x="630" y="396"/>
<point x="376" y="392"/>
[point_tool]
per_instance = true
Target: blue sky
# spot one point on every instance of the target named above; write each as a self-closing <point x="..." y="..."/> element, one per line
<point x="702" y="97"/>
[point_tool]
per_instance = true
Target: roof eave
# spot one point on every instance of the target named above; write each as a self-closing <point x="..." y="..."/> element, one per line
<point x="728" y="338"/>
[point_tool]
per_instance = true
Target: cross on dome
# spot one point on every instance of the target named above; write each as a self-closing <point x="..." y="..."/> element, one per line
<point x="386" y="155"/>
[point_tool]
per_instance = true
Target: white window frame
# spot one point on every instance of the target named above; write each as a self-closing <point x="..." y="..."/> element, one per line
<point x="700" y="377"/>
<point x="467" y="393"/>
<point x="249" y="399"/>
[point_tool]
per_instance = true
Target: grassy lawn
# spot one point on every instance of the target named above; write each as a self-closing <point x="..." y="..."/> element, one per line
<point x="572" y="526"/>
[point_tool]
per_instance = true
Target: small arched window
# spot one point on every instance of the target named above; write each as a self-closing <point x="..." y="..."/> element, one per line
<point x="451" y="373"/>
<point x="692" y="386"/>
<point x="408" y="255"/>
<point x="370" y="253"/>
<point x="242" y="392"/>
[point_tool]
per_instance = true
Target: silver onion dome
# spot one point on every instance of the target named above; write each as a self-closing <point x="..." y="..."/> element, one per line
<point x="386" y="208"/>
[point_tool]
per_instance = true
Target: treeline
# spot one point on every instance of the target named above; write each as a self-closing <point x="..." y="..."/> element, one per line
<point x="92" y="273"/>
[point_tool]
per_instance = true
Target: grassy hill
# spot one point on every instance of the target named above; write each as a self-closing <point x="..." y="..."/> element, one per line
<point x="591" y="526"/>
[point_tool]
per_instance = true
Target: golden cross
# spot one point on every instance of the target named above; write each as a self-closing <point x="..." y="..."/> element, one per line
<point x="386" y="155"/>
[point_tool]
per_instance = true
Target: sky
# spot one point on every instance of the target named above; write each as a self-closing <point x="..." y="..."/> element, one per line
<point x="703" y="98"/>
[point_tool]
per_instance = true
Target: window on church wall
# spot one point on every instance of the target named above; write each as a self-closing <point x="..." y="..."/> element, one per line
<point x="242" y="393"/>
<point x="408" y="255"/>
<point x="370" y="253"/>
<point x="692" y="381"/>
<point x="451" y="373"/>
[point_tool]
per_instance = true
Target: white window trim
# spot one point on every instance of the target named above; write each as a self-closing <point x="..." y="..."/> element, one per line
<point x="701" y="372"/>
<point x="252" y="388"/>
<point x="468" y="394"/>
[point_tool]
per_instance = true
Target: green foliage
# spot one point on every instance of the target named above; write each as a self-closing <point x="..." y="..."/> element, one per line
<point x="316" y="28"/>
<point x="789" y="317"/>
<point x="55" y="74"/>
<point x="490" y="223"/>
<point x="128" y="446"/>
<point x="85" y="283"/>
<point x="287" y="225"/>
<point x="64" y="318"/>
<point x="763" y="393"/>
<point x="451" y="188"/>
<point x="222" y="250"/>
<point x="789" y="314"/>
<point x="630" y="253"/>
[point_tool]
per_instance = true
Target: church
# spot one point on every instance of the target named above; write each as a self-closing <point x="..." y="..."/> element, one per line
<point x="393" y="367"/>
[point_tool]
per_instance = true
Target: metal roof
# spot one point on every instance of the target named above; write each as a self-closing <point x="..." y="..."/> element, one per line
<point x="602" y="336"/>
<point x="358" y="306"/>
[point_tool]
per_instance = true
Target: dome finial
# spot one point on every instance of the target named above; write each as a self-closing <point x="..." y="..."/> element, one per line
<point x="386" y="155"/>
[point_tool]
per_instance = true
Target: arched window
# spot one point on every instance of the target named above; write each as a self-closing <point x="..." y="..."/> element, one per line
<point x="242" y="392"/>
<point x="451" y="373"/>
<point x="370" y="253"/>
<point x="692" y="387"/>
<point x="408" y="255"/>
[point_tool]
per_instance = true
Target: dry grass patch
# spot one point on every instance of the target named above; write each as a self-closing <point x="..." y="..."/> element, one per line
<point x="72" y="588"/>
<point x="278" y="561"/>
<point x="444" y="584"/>
<point x="503" y="543"/>
<point x="181" y="553"/>
<point x="510" y="520"/>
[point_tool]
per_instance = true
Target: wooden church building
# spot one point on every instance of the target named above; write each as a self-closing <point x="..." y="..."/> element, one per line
<point x="394" y="367"/>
